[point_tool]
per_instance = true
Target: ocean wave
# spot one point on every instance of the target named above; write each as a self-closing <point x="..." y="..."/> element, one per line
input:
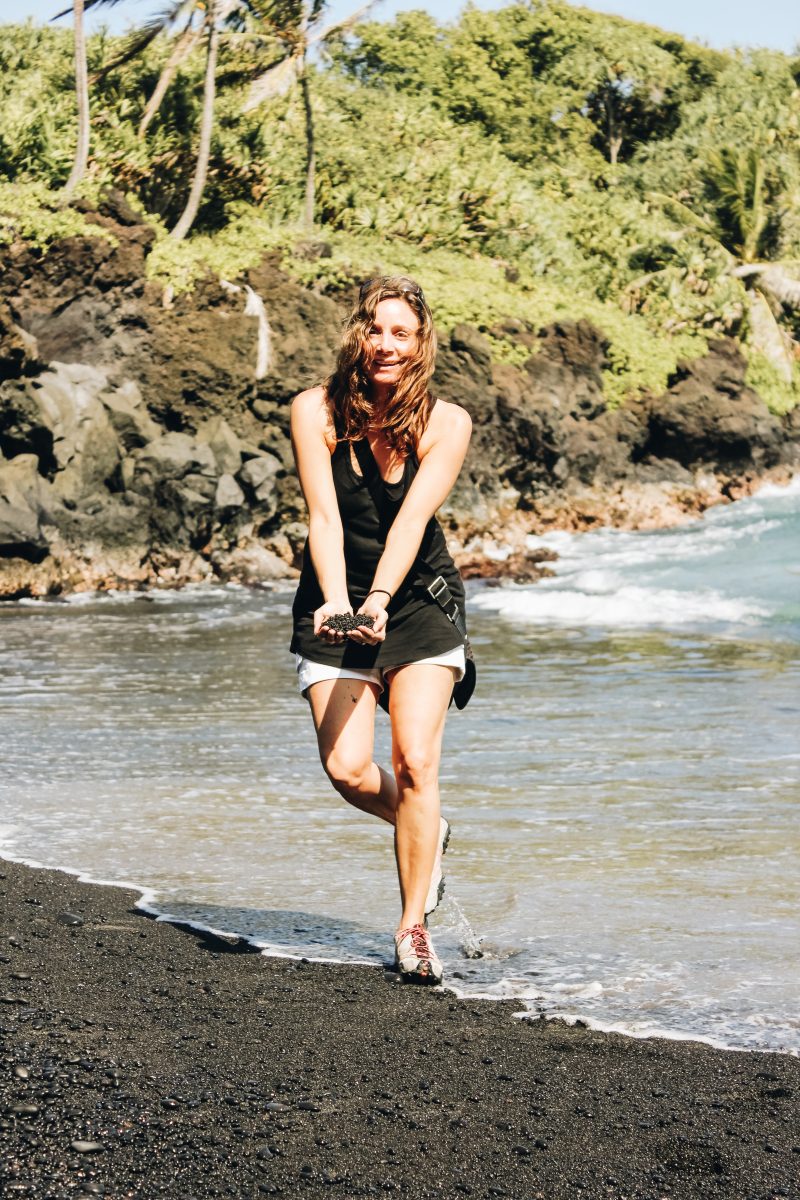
<point x="200" y="593"/>
<point x="604" y="604"/>
<point x="621" y="548"/>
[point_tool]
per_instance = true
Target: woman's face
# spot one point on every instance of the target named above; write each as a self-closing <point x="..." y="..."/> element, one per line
<point x="394" y="339"/>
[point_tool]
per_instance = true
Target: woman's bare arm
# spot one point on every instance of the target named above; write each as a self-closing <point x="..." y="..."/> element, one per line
<point x="442" y="452"/>
<point x="310" y="430"/>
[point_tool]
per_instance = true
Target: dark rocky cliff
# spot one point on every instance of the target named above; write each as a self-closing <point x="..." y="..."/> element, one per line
<point x="137" y="446"/>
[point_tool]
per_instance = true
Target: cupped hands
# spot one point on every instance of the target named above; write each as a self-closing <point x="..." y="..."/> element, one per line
<point x="368" y="634"/>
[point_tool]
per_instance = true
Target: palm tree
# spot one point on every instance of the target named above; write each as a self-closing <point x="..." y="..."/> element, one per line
<point x="78" y="11"/>
<point x="211" y="31"/>
<point x="212" y="15"/>
<point x="184" y="44"/>
<point x="181" y="14"/>
<point x="743" y="224"/>
<point x="82" y="95"/>
<point x="298" y="28"/>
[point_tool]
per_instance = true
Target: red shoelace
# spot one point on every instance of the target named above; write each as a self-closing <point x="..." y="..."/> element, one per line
<point x="419" y="940"/>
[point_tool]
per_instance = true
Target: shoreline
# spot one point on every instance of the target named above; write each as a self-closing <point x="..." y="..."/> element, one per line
<point x="637" y="509"/>
<point x="145" y="1059"/>
<point x="146" y="905"/>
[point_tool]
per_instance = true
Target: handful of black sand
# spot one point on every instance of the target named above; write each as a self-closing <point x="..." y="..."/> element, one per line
<point x="344" y="622"/>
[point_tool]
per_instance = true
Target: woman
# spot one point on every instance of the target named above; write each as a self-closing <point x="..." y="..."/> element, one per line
<point x="376" y="456"/>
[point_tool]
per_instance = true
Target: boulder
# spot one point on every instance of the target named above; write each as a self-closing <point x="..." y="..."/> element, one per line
<point x="711" y="417"/>
<point x="603" y="449"/>
<point x="469" y="343"/>
<point x="225" y="445"/>
<point x="536" y="436"/>
<point x="180" y="516"/>
<point x="26" y="505"/>
<point x="167" y="459"/>
<point x="251" y="565"/>
<point x="59" y="413"/>
<point x="21" y="483"/>
<point x="521" y="566"/>
<point x="21" y="534"/>
<point x="258" y="477"/>
<point x="277" y="443"/>
<point x="228" y="494"/>
<point x="19" y="353"/>
<point x="533" y="429"/>
<point x="24" y="428"/>
<point x="567" y="372"/>
<point x="129" y="416"/>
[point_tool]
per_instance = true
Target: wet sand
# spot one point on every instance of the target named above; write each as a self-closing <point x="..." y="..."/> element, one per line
<point x="144" y="1060"/>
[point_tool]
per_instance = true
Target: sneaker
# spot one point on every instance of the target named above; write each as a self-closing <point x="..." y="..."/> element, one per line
<point x="436" y="887"/>
<point x="415" y="957"/>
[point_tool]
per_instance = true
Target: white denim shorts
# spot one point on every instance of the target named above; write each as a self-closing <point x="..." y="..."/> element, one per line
<point x="309" y="672"/>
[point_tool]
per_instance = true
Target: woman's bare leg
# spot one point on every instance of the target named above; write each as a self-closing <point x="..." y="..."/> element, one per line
<point x="418" y="700"/>
<point x="344" y="718"/>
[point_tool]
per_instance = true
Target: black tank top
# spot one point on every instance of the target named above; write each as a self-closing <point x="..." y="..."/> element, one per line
<point x="417" y="626"/>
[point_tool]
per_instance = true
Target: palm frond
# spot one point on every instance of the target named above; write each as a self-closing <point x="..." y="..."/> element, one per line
<point x="736" y="183"/>
<point x="681" y="211"/>
<point x="274" y="82"/>
<point x="344" y="24"/>
<point x="181" y="50"/>
<point x="139" y="39"/>
<point x="86" y="5"/>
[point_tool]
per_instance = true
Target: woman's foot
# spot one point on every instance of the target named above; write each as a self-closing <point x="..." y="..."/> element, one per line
<point x="436" y="888"/>
<point x="415" y="957"/>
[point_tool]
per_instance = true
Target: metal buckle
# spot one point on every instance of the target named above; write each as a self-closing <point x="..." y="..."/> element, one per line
<point x="438" y="588"/>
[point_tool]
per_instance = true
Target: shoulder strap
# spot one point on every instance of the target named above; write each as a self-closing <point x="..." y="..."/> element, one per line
<point x="369" y="470"/>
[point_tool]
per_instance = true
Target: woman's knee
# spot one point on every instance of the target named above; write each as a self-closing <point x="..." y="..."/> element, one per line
<point x="416" y="768"/>
<point x="347" y="770"/>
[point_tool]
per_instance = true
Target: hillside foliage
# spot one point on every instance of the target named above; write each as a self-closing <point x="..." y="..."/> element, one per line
<point x="536" y="162"/>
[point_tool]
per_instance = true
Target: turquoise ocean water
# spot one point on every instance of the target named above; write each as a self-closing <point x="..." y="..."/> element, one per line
<point x="624" y="788"/>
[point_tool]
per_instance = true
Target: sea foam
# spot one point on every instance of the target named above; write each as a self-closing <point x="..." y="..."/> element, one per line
<point x="589" y="604"/>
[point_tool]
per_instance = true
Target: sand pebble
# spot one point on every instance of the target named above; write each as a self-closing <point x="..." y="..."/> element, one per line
<point x="69" y="918"/>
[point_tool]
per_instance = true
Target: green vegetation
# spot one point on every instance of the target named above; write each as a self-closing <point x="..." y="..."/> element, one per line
<point x="539" y="162"/>
<point x="31" y="211"/>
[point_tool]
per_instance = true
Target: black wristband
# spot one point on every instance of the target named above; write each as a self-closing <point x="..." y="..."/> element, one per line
<point x="383" y="592"/>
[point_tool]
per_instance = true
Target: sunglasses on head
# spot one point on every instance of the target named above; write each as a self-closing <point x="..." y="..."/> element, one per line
<point x="404" y="289"/>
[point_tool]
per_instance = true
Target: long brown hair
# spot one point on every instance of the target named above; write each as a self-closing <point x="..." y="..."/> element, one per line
<point x="406" y="413"/>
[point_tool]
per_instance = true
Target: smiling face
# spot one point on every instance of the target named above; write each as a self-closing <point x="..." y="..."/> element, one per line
<point x="394" y="339"/>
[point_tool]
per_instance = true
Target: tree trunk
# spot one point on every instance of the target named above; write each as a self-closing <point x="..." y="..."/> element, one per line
<point x="774" y="279"/>
<point x="82" y="94"/>
<point x="758" y="211"/>
<point x="206" y="123"/>
<point x="613" y="135"/>
<point x="310" y="148"/>
<point x="767" y="337"/>
<point x="183" y="48"/>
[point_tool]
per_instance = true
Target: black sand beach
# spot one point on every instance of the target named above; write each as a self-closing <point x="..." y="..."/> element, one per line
<point x="143" y="1060"/>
